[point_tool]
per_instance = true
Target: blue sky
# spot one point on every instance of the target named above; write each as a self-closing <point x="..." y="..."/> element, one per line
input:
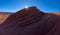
<point x="43" y="5"/>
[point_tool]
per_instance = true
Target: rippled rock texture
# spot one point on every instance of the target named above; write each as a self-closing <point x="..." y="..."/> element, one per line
<point x="31" y="21"/>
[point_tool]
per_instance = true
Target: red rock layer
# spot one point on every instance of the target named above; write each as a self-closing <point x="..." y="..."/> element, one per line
<point x="31" y="21"/>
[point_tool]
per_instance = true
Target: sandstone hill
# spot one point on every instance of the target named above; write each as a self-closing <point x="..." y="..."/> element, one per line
<point x="31" y="21"/>
<point x="3" y="16"/>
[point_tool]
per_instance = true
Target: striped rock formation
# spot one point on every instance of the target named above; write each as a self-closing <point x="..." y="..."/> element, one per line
<point x="31" y="21"/>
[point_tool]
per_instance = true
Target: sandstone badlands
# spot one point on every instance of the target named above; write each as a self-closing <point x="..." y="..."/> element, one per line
<point x="31" y="21"/>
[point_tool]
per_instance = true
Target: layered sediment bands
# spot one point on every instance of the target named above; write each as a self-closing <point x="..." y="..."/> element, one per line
<point x="30" y="21"/>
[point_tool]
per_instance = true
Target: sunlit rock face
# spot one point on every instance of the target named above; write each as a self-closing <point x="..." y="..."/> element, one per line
<point x="31" y="22"/>
<point x="3" y="16"/>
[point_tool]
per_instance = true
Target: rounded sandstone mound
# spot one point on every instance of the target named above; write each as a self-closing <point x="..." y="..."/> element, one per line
<point x="31" y="21"/>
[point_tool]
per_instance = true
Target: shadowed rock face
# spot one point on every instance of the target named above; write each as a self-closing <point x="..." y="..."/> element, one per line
<point x="31" y="21"/>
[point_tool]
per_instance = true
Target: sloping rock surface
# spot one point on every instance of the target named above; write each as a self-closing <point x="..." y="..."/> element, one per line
<point x="4" y="16"/>
<point x="31" y="21"/>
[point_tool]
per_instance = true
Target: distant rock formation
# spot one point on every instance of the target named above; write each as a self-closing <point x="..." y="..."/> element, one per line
<point x="3" y="16"/>
<point x="31" y="21"/>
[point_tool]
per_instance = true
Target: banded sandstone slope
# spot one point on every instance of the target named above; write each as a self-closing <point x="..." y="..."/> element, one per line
<point x="31" y="21"/>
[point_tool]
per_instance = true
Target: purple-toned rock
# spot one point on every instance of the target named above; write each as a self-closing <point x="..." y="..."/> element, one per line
<point x="31" y="21"/>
